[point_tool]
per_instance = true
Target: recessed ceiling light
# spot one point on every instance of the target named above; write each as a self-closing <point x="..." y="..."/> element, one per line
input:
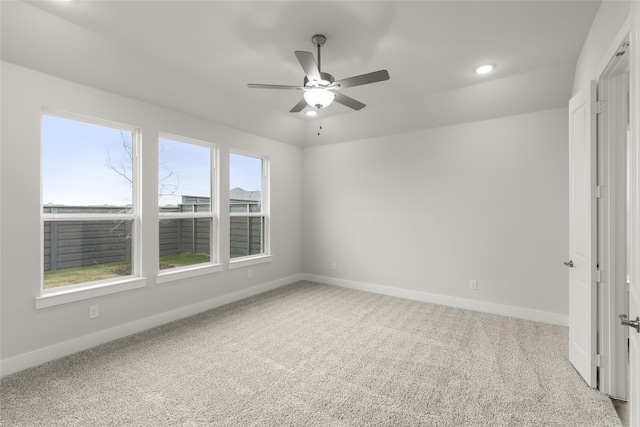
<point x="312" y="113"/>
<point x="484" y="69"/>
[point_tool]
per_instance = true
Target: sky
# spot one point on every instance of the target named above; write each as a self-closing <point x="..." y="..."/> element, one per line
<point x="79" y="160"/>
<point x="185" y="170"/>
<point x="245" y="172"/>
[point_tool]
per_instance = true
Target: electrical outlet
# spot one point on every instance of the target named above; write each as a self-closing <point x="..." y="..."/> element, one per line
<point x="334" y="266"/>
<point x="94" y="311"/>
<point x="473" y="285"/>
<point x="250" y="274"/>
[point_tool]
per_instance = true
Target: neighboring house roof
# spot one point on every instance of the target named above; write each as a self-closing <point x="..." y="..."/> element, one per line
<point x="241" y="194"/>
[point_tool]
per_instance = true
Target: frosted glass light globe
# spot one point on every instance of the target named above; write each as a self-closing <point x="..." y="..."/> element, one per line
<point x="319" y="97"/>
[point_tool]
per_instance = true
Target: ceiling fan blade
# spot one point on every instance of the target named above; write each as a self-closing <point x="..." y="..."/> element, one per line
<point x="363" y="79"/>
<point x="309" y="65"/>
<point x="349" y="102"/>
<point x="260" y="86"/>
<point x="299" y="106"/>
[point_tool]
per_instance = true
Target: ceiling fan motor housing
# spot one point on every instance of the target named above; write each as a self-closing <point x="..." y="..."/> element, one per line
<point x="325" y="80"/>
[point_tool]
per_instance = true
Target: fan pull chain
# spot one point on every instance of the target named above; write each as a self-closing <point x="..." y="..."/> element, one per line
<point x="319" y="127"/>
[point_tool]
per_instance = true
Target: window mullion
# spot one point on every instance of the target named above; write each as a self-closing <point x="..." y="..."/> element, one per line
<point x="87" y="217"/>
<point x="187" y="215"/>
<point x="247" y="214"/>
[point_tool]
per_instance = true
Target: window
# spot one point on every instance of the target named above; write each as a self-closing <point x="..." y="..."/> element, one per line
<point x="89" y="201"/>
<point x="186" y="203"/>
<point x="249" y="220"/>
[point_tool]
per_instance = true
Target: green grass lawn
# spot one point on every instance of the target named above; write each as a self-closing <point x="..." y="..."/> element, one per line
<point x="182" y="259"/>
<point x="73" y="276"/>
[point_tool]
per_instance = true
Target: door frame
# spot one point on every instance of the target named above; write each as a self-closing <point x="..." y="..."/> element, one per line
<point x="634" y="211"/>
<point x="612" y="123"/>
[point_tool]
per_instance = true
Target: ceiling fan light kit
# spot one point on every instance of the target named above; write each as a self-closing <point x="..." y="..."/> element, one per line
<point x="318" y="97"/>
<point x="321" y="89"/>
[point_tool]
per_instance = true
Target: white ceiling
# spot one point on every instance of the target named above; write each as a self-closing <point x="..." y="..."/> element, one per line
<point x="198" y="56"/>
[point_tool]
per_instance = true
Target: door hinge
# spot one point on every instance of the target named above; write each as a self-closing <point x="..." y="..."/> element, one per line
<point x="597" y="360"/>
<point x="623" y="50"/>
<point x="598" y="278"/>
<point x="597" y="192"/>
<point x="598" y="107"/>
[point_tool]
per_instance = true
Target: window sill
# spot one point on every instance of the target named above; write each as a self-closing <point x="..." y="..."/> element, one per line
<point x="187" y="272"/>
<point x="65" y="296"/>
<point x="249" y="260"/>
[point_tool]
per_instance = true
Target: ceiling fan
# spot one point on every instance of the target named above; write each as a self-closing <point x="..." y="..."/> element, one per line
<point x="321" y="89"/>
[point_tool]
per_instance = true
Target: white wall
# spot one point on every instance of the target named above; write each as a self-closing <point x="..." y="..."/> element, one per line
<point x="610" y="18"/>
<point x="28" y="335"/>
<point x="420" y="214"/>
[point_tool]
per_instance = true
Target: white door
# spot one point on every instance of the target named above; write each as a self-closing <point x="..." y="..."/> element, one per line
<point x="582" y="233"/>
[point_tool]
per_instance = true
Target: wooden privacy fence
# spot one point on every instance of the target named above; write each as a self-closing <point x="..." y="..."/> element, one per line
<point x="246" y="233"/>
<point x="185" y="235"/>
<point x="69" y="244"/>
<point x="246" y="236"/>
<point x="72" y="244"/>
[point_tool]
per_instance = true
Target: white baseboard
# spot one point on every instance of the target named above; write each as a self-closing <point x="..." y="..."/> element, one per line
<point x="485" y="307"/>
<point x="37" y="357"/>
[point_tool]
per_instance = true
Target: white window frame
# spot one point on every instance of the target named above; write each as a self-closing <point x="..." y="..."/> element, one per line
<point x="214" y="265"/>
<point x="265" y="213"/>
<point x="82" y="291"/>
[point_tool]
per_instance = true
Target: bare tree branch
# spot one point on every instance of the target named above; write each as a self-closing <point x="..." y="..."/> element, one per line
<point x="165" y="188"/>
<point x="123" y="167"/>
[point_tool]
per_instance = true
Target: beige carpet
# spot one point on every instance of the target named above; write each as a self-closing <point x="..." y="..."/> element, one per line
<point x="310" y="354"/>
